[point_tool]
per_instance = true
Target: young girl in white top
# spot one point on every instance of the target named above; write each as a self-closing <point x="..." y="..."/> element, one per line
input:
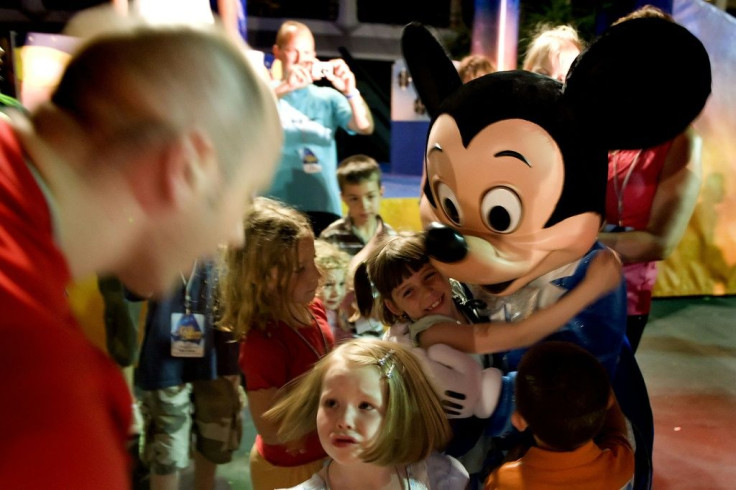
<point x="377" y="416"/>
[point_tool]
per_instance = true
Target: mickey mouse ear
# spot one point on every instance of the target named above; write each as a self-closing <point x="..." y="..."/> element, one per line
<point x="642" y="83"/>
<point x="434" y="75"/>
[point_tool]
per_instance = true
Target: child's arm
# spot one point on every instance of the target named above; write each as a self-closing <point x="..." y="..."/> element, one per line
<point x="259" y="401"/>
<point x="603" y="276"/>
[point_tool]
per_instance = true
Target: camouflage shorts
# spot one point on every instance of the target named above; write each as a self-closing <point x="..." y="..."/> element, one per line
<point x="208" y="411"/>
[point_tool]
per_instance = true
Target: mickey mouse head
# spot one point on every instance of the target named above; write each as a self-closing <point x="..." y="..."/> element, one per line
<point x="515" y="163"/>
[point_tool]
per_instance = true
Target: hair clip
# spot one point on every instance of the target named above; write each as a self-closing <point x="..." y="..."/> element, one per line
<point x="385" y="360"/>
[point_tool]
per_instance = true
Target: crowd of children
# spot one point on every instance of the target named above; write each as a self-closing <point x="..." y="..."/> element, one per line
<point x="333" y="405"/>
<point x="362" y="365"/>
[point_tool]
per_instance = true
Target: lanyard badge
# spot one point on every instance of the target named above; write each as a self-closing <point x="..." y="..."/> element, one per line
<point x="187" y="335"/>
<point x="187" y="329"/>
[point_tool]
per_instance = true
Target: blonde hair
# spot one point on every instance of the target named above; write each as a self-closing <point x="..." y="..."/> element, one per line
<point x="255" y="284"/>
<point x="289" y="28"/>
<point x="329" y="256"/>
<point x="414" y="424"/>
<point x="548" y="42"/>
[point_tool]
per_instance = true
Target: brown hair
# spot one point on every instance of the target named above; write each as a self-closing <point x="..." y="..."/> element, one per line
<point x="646" y="11"/>
<point x="256" y="278"/>
<point x="473" y="66"/>
<point x="414" y="424"/>
<point x="395" y="258"/>
<point x="357" y="169"/>
<point x="562" y="392"/>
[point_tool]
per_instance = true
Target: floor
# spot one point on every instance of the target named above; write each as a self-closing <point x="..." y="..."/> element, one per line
<point x="688" y="357"/>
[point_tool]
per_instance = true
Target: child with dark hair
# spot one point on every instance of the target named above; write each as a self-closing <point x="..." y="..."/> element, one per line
<point x="564" y="398"/>
<point x="411" y="290"/>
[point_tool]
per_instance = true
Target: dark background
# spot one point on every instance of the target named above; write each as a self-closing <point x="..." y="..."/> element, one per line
<point x="374" y="76"/>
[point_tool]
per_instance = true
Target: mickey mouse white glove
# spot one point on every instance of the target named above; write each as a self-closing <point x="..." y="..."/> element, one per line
<point x="466" y="388"/>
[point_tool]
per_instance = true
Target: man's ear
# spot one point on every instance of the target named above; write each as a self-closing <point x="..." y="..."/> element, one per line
<point x="383" y="189"/>
<point x="190" y="168"/>
<point x="518" y="421"/>
<point x="392" y="307"/>
<point x="174" y="171"/>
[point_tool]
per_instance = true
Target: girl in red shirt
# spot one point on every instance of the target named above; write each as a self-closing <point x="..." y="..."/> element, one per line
<point x="269" y="301"/>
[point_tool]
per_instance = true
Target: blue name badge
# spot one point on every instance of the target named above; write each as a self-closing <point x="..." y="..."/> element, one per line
<point x="310" y="161"/>
<point x="187" y="335"/>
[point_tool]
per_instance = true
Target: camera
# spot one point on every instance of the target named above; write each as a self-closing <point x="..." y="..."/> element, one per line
<point x="321" y="69"/>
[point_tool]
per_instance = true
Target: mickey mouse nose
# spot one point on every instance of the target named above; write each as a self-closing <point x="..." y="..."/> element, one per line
<point x="445" y="244"/>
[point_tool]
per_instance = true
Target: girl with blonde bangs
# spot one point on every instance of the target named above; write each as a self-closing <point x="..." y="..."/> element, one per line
<point x="268" y="293"/>
<point x="378" y="418"/>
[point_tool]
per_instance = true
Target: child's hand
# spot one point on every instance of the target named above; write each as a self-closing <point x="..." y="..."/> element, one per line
<point x="604" y="271"/>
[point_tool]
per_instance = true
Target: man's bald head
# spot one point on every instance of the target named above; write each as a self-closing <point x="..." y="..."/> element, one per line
<point x="143" y="83"/>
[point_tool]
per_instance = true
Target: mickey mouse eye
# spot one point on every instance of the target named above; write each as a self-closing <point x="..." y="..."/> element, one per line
<point x="449" y="204"/>
<point x="501" y="209"/>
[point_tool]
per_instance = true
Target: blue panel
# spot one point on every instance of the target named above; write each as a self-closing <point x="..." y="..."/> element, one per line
<point x="407" y="146"/>
<point x="665" y="5"/>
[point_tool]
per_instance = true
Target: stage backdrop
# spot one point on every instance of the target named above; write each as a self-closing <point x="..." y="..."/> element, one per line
<point x="705" y="261"/>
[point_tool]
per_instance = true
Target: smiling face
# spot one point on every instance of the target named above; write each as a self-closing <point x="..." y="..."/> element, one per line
<point x="425" y="292"/>
<point x="499" y="192"/>
<point x="351" y="410"/>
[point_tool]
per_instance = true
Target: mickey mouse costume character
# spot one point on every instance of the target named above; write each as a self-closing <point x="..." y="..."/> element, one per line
<point x="515" y="168"/>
